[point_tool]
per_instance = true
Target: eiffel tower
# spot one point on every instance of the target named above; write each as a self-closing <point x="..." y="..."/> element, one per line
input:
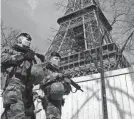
<point x="78" y="37"/>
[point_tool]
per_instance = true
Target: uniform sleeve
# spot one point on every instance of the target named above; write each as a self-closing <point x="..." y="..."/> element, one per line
<point x="5" y="57"/>
<point x="37" y="71"/>
<point x="45" y="79"/>
<point x="8" y="60"/>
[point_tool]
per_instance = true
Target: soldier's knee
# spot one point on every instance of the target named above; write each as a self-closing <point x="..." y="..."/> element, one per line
<point x="9" y="96"/>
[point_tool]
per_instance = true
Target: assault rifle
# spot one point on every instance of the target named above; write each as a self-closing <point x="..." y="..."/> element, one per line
<point x="25" y="50"/>
<point x="54" y="69"/>
<point x="73" y="83"/>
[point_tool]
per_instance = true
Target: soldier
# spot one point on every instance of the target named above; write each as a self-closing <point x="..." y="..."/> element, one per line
<point x="54" y="86"/>
<point x="18" y="66"/>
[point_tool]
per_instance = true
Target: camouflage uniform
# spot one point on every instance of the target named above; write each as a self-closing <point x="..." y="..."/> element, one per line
<point x="53" y="106"/>
<point x="14" y="94"/>
<point x="28" y="101"/>
<point x="53" y="110"/>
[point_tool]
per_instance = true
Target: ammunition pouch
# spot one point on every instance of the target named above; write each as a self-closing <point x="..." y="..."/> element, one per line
<point x="9" y="96"/>
<point x="21" y="77"/>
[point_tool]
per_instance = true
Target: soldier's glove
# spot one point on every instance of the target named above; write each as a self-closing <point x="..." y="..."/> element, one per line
<point x="57" y="76"/>
<point x="52" y="76"/>
<point x="16" y="60"/>
<point x="60" y="75"/>
<point x="29" y="56"/>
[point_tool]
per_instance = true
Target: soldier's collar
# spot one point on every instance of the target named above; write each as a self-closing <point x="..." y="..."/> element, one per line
<point x="52" y="67"/>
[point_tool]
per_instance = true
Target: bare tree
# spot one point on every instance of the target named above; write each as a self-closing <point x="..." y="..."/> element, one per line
<point x="61" y="4"/>
<point x="122" y="17"/>
<point x="8" y="35"/>
<point x="120" y="14"/>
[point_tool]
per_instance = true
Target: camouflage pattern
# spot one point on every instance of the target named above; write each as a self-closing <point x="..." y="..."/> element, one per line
<point x="53" y="110"/>
<point x="13" y="100"/>
<point x="28" y="101"/>
<point x="14" y="93"/>
<point x="52" y="104"/>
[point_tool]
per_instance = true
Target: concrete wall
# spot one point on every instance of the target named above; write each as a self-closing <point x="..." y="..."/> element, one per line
<point x="1" y="105"/>
<point x="88" y="104"/>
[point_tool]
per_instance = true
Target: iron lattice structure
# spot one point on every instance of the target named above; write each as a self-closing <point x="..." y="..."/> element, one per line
<point x="78" y="37"/>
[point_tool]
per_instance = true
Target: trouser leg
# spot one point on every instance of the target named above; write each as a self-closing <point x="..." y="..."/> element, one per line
<point x="52" y="112"/>
<point x="13" y="102"/>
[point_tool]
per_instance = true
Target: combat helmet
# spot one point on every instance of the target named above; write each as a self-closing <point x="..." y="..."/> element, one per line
<point x="57" y="91"/>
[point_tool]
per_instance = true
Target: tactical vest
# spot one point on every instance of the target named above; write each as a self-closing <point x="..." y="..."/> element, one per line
<point x="57" y="89"/>
<point x="21" y="71"/>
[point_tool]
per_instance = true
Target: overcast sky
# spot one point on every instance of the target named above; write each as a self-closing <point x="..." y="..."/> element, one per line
<point x="35" y="17"/>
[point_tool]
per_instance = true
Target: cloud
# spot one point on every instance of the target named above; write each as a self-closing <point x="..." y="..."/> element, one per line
<point x="33" y="4"/>
<point x="35" y="17"/>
